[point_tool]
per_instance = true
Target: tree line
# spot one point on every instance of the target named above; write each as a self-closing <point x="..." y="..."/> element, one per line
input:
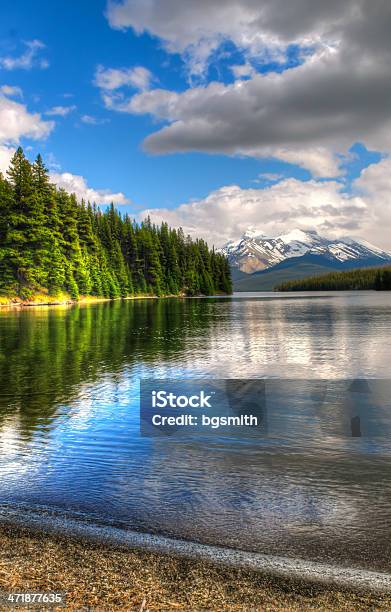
<point x="378" y="279"/>
<point x="51" y="243"/>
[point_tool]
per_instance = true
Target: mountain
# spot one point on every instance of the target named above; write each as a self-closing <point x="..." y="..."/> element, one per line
<point x="294" y="268"/>
<point x="254" y="252"/>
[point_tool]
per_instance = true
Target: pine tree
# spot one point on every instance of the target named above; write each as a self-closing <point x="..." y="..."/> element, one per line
<point x="56" y="276"/>
<point x="7" y="267"/>
<point x="28" y="232"/>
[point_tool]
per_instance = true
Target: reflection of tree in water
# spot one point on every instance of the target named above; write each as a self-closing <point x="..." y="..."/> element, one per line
<point x="46" y="354"/>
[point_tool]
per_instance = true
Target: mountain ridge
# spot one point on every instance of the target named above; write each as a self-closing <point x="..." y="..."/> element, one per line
<point x="255" y="252"/>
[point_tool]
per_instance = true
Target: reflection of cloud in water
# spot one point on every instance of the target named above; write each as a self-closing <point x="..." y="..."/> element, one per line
<point x="13" y="452"/>
<point x="320" y="338"/>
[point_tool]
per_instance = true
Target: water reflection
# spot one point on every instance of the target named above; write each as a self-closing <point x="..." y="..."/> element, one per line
<point x="69" y="425"/>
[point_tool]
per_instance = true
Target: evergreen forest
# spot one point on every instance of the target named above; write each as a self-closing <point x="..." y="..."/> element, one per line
<point x="378" y="279"/>
<point x="54" y="245"/>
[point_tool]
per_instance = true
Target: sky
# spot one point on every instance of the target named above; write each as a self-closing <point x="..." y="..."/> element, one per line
<point x="215" y="116"/>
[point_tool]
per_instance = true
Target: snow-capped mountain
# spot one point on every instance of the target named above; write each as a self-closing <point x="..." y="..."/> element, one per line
<point x="255" y="251"/>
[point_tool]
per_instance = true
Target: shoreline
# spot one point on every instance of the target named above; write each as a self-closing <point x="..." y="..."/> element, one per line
<point x="169" y="573"/>
<point x="16" y="303"/>
<point x="110" y="576"/>
<point x="277" y="566"/>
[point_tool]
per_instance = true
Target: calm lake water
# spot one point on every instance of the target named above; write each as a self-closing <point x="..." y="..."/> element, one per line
<point x="69" y="422"/>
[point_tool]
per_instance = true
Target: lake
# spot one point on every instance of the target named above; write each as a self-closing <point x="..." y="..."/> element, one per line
<point x="69" y="422"/>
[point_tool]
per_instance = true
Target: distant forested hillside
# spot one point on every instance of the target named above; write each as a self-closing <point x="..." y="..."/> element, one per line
<point x="51" y="243"/>
<point x="364" y="278"/>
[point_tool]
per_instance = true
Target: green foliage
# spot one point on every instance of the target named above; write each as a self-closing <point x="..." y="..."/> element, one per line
<point x="360" y="279"/>
<point x="50" y="242"/>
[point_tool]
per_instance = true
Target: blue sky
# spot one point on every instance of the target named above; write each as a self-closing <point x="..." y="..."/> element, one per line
<point x="109" y="146"/>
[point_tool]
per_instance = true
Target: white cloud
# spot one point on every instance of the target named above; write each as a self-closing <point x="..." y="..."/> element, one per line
<point x="375" y="181"/>
<point x="271" y="177"/>
<point x="242" y="71"/>
<point x="111" y="79"/>
<point x="374" y="186"/>
<point x="60" y="111"/>
<point x="27" y="60"/>
<point x="76" y="184"/>
<point x="340" y="94"/>
<point x="52" y="162"/>
<point x="11" y="90"/>
<point x="17" y="122"/>
<point x="6" y="154"/>
<point x="91" y="120"/>
<point x="320" y="161"/>
<point x="261" y="28"/>
<point x="302" y="115"/>
<point x="226" y="213"/>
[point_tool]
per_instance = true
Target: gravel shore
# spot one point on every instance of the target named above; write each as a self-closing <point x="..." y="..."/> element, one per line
<point x="97" y="577"/>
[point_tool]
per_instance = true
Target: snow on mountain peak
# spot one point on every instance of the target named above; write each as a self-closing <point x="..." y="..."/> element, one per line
<point x="301" y="236"/>
<point x="253" y="232"/>
<point x="255" y="251"/>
